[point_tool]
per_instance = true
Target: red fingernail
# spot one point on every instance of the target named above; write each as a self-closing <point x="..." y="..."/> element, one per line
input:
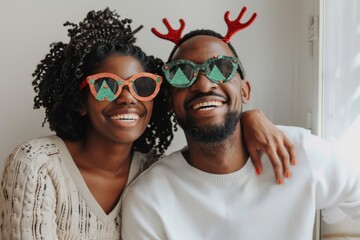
<point x="280" y="181"/>
<point x="287" y="174"/>
<point x="258" y="171"/>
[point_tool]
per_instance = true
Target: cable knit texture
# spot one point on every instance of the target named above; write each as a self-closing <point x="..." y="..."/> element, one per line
<point x="43" y="196"/>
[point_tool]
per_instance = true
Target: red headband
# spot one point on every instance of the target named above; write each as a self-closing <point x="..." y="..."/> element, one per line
<point x="233" y="27"/>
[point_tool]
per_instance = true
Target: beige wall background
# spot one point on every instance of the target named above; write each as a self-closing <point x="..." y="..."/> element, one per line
<point x="272" y="50"/>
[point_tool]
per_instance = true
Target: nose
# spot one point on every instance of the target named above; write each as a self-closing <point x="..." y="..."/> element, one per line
<point x="126" y="97"/>
<point x="203" y="84"/>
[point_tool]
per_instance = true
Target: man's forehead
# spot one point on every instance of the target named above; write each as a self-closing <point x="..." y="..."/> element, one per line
<point x="202" y="47"/>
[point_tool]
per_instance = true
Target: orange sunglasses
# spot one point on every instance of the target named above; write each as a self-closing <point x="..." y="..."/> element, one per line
<point x="143" y="86"/>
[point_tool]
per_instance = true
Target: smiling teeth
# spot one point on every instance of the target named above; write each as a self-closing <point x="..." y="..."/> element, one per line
<point x="125" y="117"/>
<point x="206" y="105"/>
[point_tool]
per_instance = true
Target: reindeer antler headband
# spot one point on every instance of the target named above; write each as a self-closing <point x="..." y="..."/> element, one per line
<point x="174" y="35"/>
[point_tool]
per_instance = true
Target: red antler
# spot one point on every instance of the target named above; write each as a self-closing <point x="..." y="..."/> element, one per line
<point x="173" y="35"/>
<point x="235" y="26"/>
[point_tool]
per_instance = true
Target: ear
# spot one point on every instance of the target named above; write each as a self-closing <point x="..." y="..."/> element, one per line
<point x="245" y="91"/>
<point x="82" y="110"/>
<point x="81" y="107"/>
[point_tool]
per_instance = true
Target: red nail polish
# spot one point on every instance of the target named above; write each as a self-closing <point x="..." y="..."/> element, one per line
<point x="287" y="174"/>
<point x="280" y="181"/>
<point x="258" y="171"/>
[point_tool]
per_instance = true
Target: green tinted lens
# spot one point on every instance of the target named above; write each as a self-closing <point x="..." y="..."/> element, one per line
<point x="180" y="75"/>
<point x="105" y="89"/>
<point x="220" y="69"/>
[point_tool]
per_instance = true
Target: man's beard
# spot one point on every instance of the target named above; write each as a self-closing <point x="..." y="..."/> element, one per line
<point x="211" y="133"/>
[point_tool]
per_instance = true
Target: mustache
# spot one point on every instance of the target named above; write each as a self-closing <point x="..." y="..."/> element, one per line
<point x="200" y="95"/>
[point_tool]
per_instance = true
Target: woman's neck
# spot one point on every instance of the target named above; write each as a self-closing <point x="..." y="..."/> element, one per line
<point x="100" y="154"/>
<point x="104" y="166"/>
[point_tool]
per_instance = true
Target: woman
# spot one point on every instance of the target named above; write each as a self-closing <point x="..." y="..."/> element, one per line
<point x="99" y="92"/>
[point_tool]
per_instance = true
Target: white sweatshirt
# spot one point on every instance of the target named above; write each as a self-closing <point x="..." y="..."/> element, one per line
<point x="173" y="200"/>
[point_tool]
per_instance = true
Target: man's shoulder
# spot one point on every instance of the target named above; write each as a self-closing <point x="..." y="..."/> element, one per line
<point x="293" y="131"/>
<point x="159" y="172"/>
<point x="313" y="150"/>
<point x="300" y="137"/>
<point x="303" y="138"/>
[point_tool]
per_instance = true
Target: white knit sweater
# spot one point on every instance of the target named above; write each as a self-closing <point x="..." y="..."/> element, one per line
<point x="43" y="196"/>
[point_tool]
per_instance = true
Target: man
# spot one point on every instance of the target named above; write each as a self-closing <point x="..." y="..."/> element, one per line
<point x="209" y="190"/>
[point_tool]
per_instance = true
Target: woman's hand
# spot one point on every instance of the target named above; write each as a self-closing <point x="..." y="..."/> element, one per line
<point x="260" y="134"/>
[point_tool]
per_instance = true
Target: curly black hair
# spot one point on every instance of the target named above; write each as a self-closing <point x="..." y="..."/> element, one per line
<point x="59" y="74"/>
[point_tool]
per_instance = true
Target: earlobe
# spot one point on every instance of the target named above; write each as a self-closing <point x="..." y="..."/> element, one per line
<point x="245" y="91"/>
<point x="82" y="111"/>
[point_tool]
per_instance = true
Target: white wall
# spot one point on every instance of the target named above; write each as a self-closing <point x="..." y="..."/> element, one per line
<point x="306" y="65"/>
<point x="267" y="50"/>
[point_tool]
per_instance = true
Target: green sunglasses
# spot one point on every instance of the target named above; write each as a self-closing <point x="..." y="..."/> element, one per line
<point x="218" y="69"/>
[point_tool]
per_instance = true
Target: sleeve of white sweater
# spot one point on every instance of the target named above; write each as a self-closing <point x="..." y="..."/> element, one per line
<point x="27" y="196"/>
<point x="336" y="175"/>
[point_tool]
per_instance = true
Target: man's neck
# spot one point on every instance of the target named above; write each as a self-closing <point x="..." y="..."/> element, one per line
<point x="224" y="157"/>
